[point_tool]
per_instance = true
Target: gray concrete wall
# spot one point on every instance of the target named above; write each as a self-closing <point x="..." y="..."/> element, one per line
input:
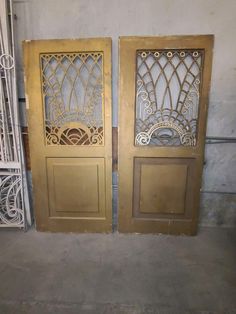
<point x="49" y="19"/>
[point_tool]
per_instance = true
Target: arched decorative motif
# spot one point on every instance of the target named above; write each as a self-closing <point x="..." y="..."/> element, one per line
<point x="168" y="86"/>
<point x="72" y="87"/>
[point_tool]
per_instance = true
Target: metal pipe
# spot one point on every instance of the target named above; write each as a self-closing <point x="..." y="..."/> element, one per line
<point x="217" y="192"/>
<point x="220" y="140"/>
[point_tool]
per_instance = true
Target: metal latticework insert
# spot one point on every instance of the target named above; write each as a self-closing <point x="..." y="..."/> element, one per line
<point x="168" y="86"/>
<point x="72" y="87"/>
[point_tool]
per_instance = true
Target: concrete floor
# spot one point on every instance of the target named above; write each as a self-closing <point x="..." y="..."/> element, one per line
<point x="97" y="273"/>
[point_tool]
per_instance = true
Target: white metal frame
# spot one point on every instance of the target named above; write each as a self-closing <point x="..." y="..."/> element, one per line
<point x="14" y="198"/>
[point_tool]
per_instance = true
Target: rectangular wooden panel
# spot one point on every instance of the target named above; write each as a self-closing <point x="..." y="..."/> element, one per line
<point x="76" y="187"/>
<point x="164" y="86"/>
<point x="68" y="93"/>
<point x="164" y="193"/>
<point x="163" y="187"/>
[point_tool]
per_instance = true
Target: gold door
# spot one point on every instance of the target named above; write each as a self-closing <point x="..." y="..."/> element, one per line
<point x="68" y="90"/>
<point x="164" y="85"/>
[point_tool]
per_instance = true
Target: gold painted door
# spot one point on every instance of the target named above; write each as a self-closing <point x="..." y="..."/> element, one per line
<point x="68" y="91"/>
<point x="164" y="85"/>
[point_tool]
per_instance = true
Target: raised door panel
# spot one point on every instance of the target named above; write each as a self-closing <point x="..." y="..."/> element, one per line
<point x="76" y="187"/>
<point x="163" y="188"/>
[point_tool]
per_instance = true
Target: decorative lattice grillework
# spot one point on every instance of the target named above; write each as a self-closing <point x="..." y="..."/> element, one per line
<point x="167" y="97"/>
<point x="72" y="87"/>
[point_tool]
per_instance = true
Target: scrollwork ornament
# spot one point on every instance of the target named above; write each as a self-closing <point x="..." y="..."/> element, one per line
<point x="192" y="97"/>
<point x="7" y="61"/>
<point x="143" y="138"/>
<point x="53" y="139"/>
<point x="143" y="95"/>
<point x="188" y="139"/>
<point x="10" y="200"/>
<point x="96" y="139"/>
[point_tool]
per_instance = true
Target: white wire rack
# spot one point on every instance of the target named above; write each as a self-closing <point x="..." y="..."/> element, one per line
<point x="14" y="198"/>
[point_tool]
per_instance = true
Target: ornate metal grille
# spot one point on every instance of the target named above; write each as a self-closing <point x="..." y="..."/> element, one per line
<point x="14" y="201"/>
<point x="167" y="97"/>
<point x="72" y="86"/>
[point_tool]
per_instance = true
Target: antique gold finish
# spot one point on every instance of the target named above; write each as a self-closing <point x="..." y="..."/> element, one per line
<point x="68" y="91"/>
<point x="164" y="86"/>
